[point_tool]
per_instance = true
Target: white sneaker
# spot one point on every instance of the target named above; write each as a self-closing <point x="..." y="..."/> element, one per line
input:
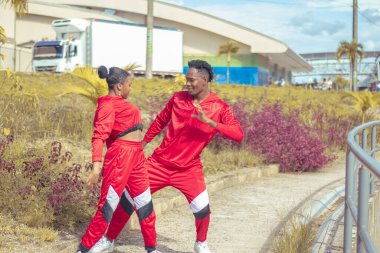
<point x="201" y="247"/>
<point x="155" y="251"/>
<point x="103" y="246"/>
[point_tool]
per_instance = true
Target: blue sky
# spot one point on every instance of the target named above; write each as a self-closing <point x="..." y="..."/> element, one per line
<point x="305" y="26"/>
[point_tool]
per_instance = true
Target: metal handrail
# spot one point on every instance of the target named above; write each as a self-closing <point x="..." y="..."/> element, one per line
<point x="358" y="189"/>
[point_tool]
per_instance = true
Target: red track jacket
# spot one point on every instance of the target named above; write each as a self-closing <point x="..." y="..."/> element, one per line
<point x="186" y="137"/>
<point x="113" y="116"/>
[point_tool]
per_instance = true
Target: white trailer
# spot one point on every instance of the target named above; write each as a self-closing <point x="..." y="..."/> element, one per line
<point x="111" y="43"/>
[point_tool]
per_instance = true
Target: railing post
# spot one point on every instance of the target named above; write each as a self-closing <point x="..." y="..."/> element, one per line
<point x="364" y="180"/>
<point x="373" y="147"/>
<point x="362" y="172"/>
<point x="349" y="194"/>
<point x="356" y="173"/>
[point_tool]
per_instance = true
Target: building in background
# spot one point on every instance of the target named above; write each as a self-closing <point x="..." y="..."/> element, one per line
<point x="260" y="57"/>
<point x="325" y="65"/>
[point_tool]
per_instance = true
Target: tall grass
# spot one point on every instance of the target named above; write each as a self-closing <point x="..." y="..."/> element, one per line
<point x="296" y="237"/>
<point x="30" y="107"/>
<point x="12" y="233"/>
<point x="228" y="159"/>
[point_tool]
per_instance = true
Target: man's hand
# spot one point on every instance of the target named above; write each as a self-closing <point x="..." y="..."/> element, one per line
<point x="202" y="116"/>
<point x="94" y="176"/>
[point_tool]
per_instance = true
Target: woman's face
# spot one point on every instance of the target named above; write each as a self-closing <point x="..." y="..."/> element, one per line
<point x="126" y="87"/>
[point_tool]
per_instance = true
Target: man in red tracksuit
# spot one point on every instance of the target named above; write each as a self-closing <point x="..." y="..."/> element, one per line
<point x="194" y="117"/>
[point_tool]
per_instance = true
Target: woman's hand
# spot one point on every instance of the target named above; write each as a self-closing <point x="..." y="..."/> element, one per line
<point x="94" y="176"/>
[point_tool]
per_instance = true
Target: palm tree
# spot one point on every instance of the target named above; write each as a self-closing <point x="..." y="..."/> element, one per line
<point x="98" y="87"/>
<point x="352" y="51"/>
<point x="229" y="48"/>
<point x="341" y="82"/>
<point x="21" y="6"/>
<point x="363" y="101"/>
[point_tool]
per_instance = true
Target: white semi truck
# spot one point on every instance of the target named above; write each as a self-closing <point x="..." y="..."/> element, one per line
<point x="93" y="43"/>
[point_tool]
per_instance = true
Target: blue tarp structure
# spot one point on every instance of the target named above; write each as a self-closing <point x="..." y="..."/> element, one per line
<point x="254" y="76"/>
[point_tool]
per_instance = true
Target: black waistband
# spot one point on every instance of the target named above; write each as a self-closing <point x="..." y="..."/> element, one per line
<point x="132" y="129"/>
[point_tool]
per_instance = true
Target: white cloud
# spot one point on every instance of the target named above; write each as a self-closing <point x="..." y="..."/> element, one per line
<point x="302" y="28"/>
<point x="309" y="24"/>
<point x="372" y="15"/>
<point x="343" y="5"/>
<point x="369" y="4"/>
<point x="371" y="45"/>
<point x="267" y="18"/>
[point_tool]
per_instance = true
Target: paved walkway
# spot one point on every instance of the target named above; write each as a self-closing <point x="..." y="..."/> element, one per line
<point x="337" y="243"/>
<point x="243" y="217"/>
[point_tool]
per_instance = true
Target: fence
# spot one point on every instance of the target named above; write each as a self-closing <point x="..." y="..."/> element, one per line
<point x="360" y="186"/>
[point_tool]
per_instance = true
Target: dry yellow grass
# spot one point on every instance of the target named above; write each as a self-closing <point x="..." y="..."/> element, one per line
<point x="13" y="233"/>
<point x="227" y="160"/>
<point x="296" y="237"/>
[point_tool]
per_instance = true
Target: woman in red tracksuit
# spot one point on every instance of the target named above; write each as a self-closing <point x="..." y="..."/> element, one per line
<point x="193" y="118"/>
<point x="118" y="124"/>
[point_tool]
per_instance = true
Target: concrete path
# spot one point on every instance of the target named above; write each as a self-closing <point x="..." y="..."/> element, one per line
<point x="337" y="243"/>
<point x="244" y="218"/>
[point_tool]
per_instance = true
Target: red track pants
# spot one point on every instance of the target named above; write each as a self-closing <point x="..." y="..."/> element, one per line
<point x="123" y="168"/>
<point x="190" y="182"/>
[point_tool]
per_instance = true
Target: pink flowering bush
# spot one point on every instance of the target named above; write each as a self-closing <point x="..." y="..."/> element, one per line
<point x="40" y="188"/>
<point x="282" y="139"/>
<point x="332" y="129"/>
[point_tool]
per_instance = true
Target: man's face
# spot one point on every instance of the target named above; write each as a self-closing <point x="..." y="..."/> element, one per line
<point x="195" y="81"/>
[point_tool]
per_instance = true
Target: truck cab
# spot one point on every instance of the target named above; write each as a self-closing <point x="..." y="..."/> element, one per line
<point x="56" y="56"/>
<point x="66" y="52"/>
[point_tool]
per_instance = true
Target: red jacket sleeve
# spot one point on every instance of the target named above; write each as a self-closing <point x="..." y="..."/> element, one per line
<point x="228" y="126"/>
<point x="103" y="124"/>
<point x="160" y="122"/>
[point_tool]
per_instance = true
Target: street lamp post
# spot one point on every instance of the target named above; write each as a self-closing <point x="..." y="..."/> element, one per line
<point x="14" y="40"/>
<point x="149" y="40"/>
<point x="354" y="39"/>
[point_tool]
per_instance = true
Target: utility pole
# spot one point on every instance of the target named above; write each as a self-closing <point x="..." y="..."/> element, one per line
<point x="15" y="43"/>
<point x="149" y="40"/>
<point x="354" y="40"/>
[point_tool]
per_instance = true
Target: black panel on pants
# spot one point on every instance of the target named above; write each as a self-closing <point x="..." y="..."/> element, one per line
<point x="202" y="213"/>
<point x="107" y="212"/>
<point x="126" y="205"/>
<point x="145" y="211"/>
<point x="83" y="248"/>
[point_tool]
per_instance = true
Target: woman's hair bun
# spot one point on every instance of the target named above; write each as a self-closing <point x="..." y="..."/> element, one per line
<point x="102" y="72"/>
